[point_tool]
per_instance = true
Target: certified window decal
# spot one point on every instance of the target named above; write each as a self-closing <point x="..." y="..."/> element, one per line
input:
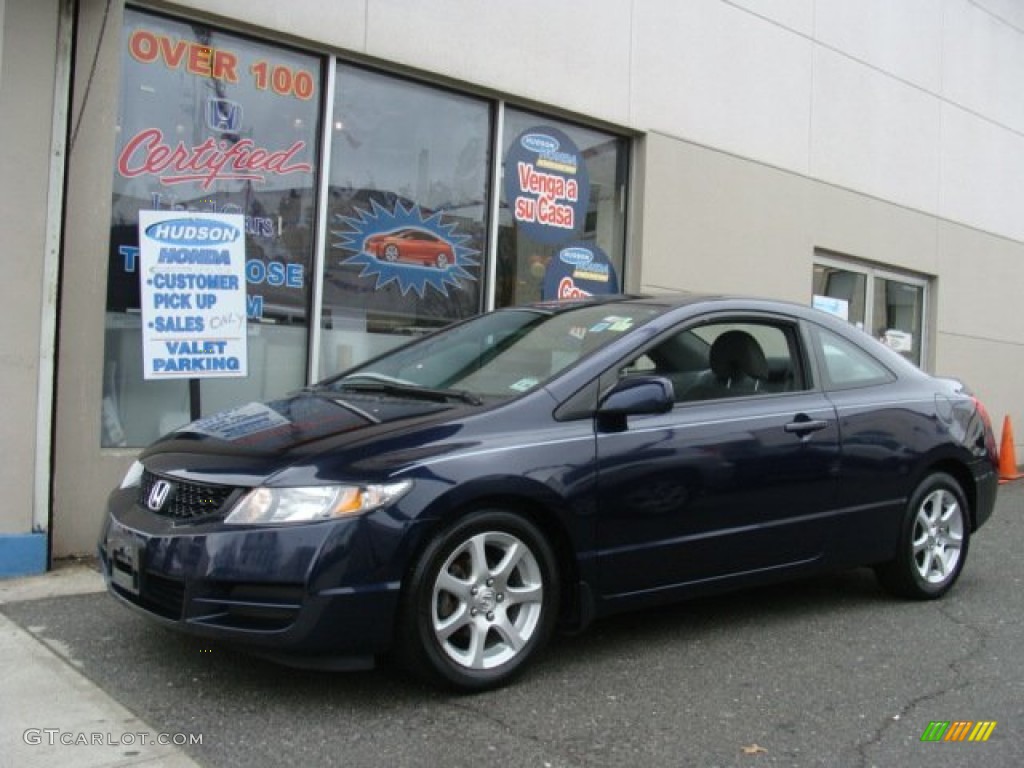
<point x="404" y="246"/>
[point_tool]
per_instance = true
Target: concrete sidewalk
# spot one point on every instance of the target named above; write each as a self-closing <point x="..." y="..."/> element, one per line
<point x="50" y="714"/>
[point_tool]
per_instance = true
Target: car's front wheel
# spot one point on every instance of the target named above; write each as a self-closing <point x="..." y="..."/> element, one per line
<point x="481" y="601"/>
<point x="933" y="541"/>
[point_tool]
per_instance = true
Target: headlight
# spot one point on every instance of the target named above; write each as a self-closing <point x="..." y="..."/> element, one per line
<point x="133" y="476"/>
<point x="309" y="504"/>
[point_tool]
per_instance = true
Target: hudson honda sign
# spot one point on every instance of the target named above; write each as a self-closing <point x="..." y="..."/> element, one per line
<point x="193" y="295"/>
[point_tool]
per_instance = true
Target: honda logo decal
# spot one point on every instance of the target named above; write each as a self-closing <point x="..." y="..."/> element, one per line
<point x="223" y="116"/>
<point x="158" y="495"/>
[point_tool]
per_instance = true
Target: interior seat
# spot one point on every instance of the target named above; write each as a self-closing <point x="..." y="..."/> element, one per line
<point x="738" y="367"/>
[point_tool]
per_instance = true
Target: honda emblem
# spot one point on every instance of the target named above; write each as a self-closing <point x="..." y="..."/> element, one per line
<point x="158" y="495"/>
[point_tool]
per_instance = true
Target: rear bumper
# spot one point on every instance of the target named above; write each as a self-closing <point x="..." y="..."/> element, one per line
<point x="986" y="483"/>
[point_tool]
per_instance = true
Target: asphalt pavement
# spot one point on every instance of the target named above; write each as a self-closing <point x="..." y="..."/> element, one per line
<point x="822" y="672"/>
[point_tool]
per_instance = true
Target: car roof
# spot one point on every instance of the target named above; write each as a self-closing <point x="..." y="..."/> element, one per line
<point x="710" y="302"/>
<point x="666" y="301"/>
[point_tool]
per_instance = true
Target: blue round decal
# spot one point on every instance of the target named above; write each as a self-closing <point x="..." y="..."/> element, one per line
<point x="546" y="185"/>
<point x="579" y="270"/>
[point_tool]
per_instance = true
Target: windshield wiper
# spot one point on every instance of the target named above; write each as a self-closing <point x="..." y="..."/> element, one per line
<point x="411" y="390"/>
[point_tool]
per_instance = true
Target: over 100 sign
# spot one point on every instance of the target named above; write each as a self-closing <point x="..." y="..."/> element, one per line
<point x="193" y="294"/>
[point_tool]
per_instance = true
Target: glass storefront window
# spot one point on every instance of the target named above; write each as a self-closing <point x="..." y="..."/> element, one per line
<point x="898" y="310"/>
<point x="407" y="208"/>
<point x="562" y="210"/>
<point x="211" y="122"/>
<point x="888" y="306"/>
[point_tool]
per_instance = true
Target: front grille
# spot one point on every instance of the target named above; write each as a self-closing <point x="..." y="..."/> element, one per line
<point x="184" y="500"/>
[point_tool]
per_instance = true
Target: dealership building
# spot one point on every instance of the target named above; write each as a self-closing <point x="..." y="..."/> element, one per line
<point x="207" y="203"/>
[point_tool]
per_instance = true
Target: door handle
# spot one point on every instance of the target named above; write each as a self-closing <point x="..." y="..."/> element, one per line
<point x="805" y="426"/>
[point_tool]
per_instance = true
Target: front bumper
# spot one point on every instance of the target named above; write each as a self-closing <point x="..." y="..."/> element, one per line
<point x="321" y="590"/>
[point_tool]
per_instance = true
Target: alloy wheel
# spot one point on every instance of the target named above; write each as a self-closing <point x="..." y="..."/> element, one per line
<point x="938" y="536"/>
<point x="487" y="600"/>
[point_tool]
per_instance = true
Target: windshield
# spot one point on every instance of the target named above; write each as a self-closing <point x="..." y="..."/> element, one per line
<point x="501" y="354"/>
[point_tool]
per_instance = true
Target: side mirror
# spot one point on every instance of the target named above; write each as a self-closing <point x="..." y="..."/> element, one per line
<point x="638" y="395"/>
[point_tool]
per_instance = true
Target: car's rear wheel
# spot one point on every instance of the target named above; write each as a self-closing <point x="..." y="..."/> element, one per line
<point x="481" y="601"/>
<point x="933" y="541"/>
<point x="442" y="261"/>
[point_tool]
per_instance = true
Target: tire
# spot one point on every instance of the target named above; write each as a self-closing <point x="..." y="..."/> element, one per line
<point x="481" y="601"/>
<point x="933" y="542"/>
<point x="391" y="253"/>
<point x="441" y="261"/>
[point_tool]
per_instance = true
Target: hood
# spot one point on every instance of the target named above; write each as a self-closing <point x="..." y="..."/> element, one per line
<point x="250" y="443"/>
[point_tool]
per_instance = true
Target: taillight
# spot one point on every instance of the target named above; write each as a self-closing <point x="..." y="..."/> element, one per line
<point x="990" y="435"/>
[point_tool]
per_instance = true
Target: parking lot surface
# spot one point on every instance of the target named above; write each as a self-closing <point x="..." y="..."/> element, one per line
<point x="829" y="672"/>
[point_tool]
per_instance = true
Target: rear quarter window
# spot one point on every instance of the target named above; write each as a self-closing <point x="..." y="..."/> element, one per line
<point x="846" y="365"/>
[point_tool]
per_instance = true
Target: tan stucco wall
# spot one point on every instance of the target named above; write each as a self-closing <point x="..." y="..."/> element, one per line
<point x="85" y="474"/>
<point x="715" y="222"/>
<point x="979" y="319"/>
<point x="27" y="67"/>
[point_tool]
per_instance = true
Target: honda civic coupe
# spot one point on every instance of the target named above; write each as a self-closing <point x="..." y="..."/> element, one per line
<point x="451" y="503"/>
<point x="411" y="245"/>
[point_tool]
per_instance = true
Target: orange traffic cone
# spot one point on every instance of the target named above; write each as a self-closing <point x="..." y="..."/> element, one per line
<point x="1007" y="454"/>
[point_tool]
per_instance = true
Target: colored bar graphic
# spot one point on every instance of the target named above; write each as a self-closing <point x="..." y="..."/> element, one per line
<point x="958" y="730"/>
<point x="982" y="730"/>
<point x="935" y="731"/>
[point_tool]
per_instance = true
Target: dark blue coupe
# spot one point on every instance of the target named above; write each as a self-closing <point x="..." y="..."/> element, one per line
<point x="457" y="499"/>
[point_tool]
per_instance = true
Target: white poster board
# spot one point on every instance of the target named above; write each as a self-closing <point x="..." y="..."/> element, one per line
<point x="901" y="341"/>
<point x="192" y="283"/>
<point x="832" y="305"/>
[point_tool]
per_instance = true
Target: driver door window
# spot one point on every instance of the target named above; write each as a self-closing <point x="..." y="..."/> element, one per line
<point x="725" y="359"/>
